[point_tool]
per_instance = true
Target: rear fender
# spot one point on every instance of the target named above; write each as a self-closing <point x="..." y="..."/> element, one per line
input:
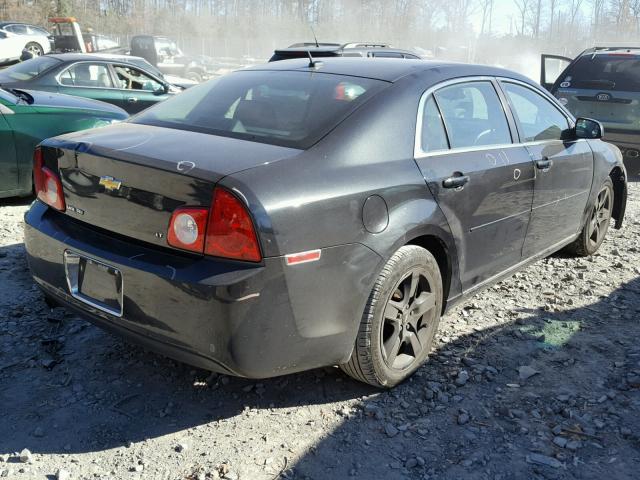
<point x="421" y="222"/>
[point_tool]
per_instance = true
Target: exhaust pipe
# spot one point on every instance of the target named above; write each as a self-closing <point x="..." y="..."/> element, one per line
<point x="631" y="153"/>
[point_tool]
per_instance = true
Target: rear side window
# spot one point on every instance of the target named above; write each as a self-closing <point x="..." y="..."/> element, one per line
<point x="434" y="137"/>
<point x="538" y="119"/>
<point x="292" y="109"/>
<point x="473" y="115"/>
<point x="616" y="71"/>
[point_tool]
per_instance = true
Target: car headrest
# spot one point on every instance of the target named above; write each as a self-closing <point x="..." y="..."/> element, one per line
<point x="256" y="113"/>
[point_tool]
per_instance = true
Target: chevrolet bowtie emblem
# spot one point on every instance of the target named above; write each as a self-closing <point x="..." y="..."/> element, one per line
<point x="110" y="184"/>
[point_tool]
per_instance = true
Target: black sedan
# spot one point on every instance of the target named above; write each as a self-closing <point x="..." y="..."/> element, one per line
<point x="297" y="215"/>
<point x="127" y="82"/>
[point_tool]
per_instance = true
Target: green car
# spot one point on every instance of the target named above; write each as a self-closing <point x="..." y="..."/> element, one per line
<point x="122" y="80"/>
<point x="27" y="117"/>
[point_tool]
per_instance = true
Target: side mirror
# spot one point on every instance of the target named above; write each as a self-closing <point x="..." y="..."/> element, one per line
<point x="588" y="128"/>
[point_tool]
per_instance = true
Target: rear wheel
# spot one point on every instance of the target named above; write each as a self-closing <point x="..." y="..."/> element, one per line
<point x="597" y="224"/>
<point x="34" y="49"/>
<point x="400" y="320"/>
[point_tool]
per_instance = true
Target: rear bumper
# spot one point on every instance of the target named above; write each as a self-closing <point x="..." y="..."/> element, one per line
<point x="248" y="320"/>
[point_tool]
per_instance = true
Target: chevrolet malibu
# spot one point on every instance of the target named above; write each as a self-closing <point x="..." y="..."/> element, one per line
<point x="305" y="213"/>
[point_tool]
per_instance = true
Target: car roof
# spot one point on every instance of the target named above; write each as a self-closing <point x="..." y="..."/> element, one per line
<point x="311" y="48"/>
<point x="4" y="24"/>
<point x="339" y="48"/>
<point x="634" y="50"/>
<point x="79" y="57"/>
<point x="386" y="69"/>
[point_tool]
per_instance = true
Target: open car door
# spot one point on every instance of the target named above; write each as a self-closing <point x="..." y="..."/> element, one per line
<point x="551" y="66"/>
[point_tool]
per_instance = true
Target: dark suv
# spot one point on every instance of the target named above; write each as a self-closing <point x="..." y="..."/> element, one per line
<point x="602" y="83"/>
<point x="378" y="50"/>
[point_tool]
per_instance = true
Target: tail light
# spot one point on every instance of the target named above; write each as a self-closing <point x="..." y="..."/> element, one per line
<point x="225" y="231"/>
<point x="47" y="184"/>
<point x="187" y="228"/>
<point x="230" y="233"/>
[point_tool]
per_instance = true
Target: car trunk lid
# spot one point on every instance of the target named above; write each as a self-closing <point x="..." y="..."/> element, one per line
<point x="128" y="179"/>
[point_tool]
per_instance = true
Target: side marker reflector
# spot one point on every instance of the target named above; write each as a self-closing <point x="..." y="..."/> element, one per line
<point x="303" y="257"/>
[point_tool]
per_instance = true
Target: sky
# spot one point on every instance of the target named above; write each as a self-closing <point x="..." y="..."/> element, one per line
<point x="503" y="12"/>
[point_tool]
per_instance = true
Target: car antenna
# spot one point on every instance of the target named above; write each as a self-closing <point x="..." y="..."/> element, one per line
<point x="314" y="36"/>
<point x="313" y="63"/>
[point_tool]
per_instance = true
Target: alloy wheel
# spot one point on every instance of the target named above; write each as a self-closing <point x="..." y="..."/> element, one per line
<point x="34" y="49"/>
<point x="408" y="314"/>
<point x="600" y="217"/>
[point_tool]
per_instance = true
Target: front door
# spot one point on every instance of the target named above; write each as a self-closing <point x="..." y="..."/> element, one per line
<point x="90" y="80"/>
<point x="564" y="168"/>
<point x="482" y="181"/>
<point x="139" y="90"/>
<point x="8" y="160"/>
<point x="551" y="66"/>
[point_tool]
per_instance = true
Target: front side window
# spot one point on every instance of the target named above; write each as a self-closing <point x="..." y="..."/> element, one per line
<point x="434" y="137"/>
<point x="134" y="79"/>
<point x="87" y="75"/>
<point x="473" y="115"/>
<point x="538" y="119"/>
<point x="37" y="31"/>
<point x="292" y="109"/>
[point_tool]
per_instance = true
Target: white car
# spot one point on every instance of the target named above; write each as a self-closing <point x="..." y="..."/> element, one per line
<point x="16" y="37"/>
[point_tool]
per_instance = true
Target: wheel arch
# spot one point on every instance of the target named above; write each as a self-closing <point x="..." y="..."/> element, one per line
<point x="619" y="180"/>
<point x="443" y="255"/>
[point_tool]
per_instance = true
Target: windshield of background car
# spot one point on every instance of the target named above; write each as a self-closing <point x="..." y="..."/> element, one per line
<point x="165" y="46"/>
<point x="615" y="71"/>
<point x="27" y="70"/>
<point x="291" y="109"/>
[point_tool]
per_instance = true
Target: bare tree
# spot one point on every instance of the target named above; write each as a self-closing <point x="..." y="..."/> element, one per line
<point x="524" y="7"/>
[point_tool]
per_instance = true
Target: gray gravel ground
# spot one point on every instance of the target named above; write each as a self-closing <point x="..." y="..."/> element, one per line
<point x="538" y="377"/>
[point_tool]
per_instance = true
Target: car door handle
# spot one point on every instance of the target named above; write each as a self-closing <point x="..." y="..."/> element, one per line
<point x="456" y="181"/>
<point x="544" y="164"/>
<point x="132" y="99"/>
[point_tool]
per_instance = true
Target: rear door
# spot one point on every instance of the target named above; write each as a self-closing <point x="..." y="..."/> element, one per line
<point x="564" y="168"/>
<point x="8" y="160"/>
<point x="139" y="90"/>
<point x="551" y="66"/>
<point x="90" y="80"/>
<point x="482" y="180"/>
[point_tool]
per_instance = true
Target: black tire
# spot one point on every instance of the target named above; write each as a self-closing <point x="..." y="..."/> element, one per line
<point x="597" y="224"/>
<point x="34" y="48"/>
<point x="391" y="318"/>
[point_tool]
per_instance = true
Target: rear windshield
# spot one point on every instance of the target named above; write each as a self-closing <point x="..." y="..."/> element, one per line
<point x="617" y="71"/>
<point x="291" y="109"/>
<point x="27" y="70"/>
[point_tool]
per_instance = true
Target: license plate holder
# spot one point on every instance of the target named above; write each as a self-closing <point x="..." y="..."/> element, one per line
<point x="94" y="282"/>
